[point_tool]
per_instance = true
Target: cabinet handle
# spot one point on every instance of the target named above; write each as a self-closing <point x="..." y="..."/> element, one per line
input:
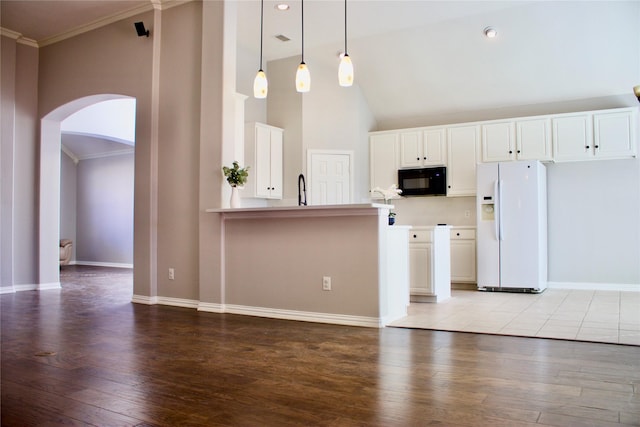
<point x="457" y="234"/>
<point x="425" y="158"/>
<point x="596" y="146"/>
<point x="417" y="158"/>
<point x="510" y="152"/>
<point x="587" y="147"/>
<point x="415" y="236"/>
<point x="518" y="151"/>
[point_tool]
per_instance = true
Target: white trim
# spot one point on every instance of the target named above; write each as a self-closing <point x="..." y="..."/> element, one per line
<point x="30" y="287"/>
<point x="273" y="313"/>
<point x="108" y="154"/>
<point x="103" y="264"/>
<point x="211" y="307"/>
<point x="305" y="316"/>
<point x="143" y="299"/>
<point x="69" y="153"/>
<point x="96" y="24"/>
<point x="177" y="302"/>
<point x="619" y="287"/>
<point x="48" y="286"/>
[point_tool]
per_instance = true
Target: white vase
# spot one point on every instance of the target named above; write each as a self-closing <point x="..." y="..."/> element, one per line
<point x="235" y="197"/>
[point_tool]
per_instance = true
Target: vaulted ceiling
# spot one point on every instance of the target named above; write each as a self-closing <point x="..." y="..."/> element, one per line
<point x="426" y="58"/>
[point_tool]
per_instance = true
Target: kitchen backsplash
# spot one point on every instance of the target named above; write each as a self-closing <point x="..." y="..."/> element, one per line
<point x="432" y="210"/>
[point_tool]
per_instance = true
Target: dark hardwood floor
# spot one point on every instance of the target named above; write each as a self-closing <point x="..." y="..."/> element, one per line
<point x="85" y="355"/>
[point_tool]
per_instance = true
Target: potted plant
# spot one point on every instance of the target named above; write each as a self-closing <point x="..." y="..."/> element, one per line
<point x="236" y="177"/>
<point x="392" y="218"/>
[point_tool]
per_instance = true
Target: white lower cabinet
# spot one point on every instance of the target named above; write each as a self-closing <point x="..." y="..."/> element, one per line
<point x="463" y="255"/>
<point x="429" y="265"/>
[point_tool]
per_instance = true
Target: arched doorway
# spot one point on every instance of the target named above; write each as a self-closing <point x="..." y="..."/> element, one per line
<point x="49" y="195"/>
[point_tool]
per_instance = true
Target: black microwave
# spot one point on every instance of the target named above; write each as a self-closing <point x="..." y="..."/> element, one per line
<point x="423" y="181"/>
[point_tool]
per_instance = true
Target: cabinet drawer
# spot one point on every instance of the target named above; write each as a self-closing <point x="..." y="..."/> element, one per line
<point x="463" y="234"/>
<point x="420" y="236"/>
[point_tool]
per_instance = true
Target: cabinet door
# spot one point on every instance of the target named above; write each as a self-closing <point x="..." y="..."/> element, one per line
<point x="383" y="163"/>
<point x="420" y="268"/>
<point x="411" y="155"/>
<point x="462" y="146"/>
<point x="435" y="147"/>
<point x="533" y="139"/>
<point x="263" y="161"/>
<point x="572" y="137"/>
<point x="614" y="135"/>
<point x="463" y="261"/>
<point x="275" y="161"/>
<point x="498" y="142"/>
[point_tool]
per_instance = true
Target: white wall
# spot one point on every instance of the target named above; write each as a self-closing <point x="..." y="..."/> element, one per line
<point x="68" y="202"/>
<point x="105" y="210"/>
<point x="594" y="222"/>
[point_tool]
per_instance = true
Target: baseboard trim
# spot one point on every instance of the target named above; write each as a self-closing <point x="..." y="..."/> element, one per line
<point x="177" y="302"/>
<point x="618" y="287"/>
<point x="273" y="313"/>
<point x="142" y="299"/>
<point x="102" y="264"/>
<point x="30" y="287"/>
<point x="211" y="307"/>
<point x="305" y="316"/>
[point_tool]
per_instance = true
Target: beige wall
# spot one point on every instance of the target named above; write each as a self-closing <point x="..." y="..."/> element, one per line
<point x="279" y="263"/>
<point x="18" y="227"/>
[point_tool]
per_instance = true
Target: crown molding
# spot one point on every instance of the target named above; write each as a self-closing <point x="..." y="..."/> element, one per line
<point x="69" y="153"/>
<point x="19" y="38"/>
<point x="97" y="24"/>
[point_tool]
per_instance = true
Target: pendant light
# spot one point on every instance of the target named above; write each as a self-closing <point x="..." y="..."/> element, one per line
<point x="303" y="77"/>
<point x="345" y="70"/>
<point x="260" y="84"/>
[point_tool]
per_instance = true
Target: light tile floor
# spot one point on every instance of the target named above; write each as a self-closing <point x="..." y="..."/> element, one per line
<point x="580" y="315"/>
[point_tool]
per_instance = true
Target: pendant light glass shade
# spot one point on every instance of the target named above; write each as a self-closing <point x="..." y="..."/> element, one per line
<point x="303" y="78"/>
<point x="345" y="71"/>
<point x="260" y="85"/>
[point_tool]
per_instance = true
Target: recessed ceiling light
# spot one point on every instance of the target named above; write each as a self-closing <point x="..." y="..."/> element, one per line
<point x="282" y="6"/>
<point x="490" y="32"/>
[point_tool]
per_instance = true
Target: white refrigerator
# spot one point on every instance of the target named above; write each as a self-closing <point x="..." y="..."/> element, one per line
<point x="512" y="226"/>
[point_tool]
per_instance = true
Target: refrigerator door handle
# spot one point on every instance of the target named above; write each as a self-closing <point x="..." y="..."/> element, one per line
<point x="500" y="228"/>
<point x="496" y="209"/>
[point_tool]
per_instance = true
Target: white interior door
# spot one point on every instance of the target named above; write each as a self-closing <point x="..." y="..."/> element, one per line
<point x="330" y="177"/>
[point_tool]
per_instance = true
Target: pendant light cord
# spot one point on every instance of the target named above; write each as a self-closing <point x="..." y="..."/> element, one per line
<point x="345" y="27"/>
<point x="261" y="20"/>
<point x="302" y="4"/>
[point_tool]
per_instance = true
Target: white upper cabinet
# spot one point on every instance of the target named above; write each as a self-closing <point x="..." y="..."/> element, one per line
<point x="498" y="142"/>
<point x="383" y="161"/>
<point x="522" y="139"/>
<point x="419" y="148"/>
<point x="615" y="134"/>
<point x="572" y="138"/>
<point x="263" y="151"/>
<point x="435" y="146"/>
<point x="462" y="149"/>
<point x="411" y="149"/>
<point x="533" y="139"/>
<point x="608" y="134"/>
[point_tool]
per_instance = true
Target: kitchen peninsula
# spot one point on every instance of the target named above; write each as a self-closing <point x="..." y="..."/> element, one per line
<point x="278" y="262"/>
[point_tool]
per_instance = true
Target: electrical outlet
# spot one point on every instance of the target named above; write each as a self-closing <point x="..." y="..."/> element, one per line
<point x="467" y="214"/>
<point x="172" y="274"/>
<point x="326" y="283"/>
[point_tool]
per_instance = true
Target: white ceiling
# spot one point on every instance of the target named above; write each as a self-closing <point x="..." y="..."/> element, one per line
<point x="418" y="61"/>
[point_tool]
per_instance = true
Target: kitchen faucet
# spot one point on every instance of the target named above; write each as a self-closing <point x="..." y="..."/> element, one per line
<point x="304" y="191"/>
